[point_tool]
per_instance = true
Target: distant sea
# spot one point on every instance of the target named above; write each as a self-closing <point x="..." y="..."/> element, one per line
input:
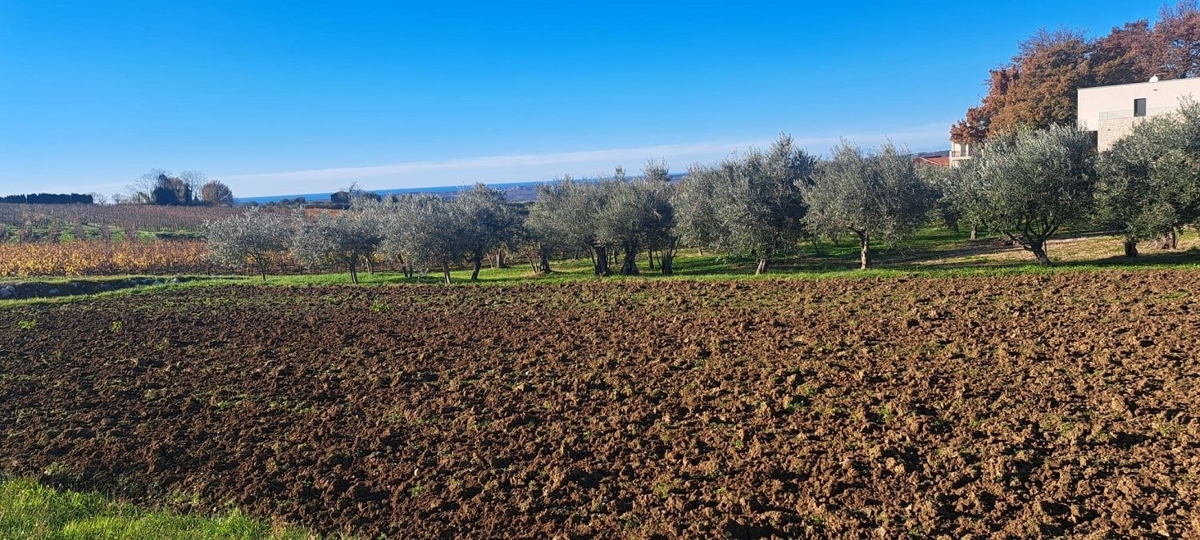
<point x="517" y="192"/>
<point x="439" y="190"/>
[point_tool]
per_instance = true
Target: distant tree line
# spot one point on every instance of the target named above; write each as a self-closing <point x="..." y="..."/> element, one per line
<point x="189" y="188"/>
<point x="49" y="198"/>
<point x="1026" y="187"/>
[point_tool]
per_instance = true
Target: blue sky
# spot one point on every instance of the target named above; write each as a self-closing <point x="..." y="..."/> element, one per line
<point x="302" y="97"/>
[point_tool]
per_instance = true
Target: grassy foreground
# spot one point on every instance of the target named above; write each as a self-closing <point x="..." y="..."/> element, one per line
<point x="32" y="511"/>
<point x="933" y="252"/>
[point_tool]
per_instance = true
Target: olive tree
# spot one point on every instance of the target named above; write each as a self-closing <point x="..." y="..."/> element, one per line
<point x="875" y="195"/>
<point x="1149" y="183"/>
<point x="636" y="216"/>
<point x="542" y="228"/>
<point x="344" y="238"/>
<point x="1029" y="184"/>
<point x="567" y="211"/>
<point x="488" y="222"/>
<point x="254" y="236"/>
<point x="431" y="230"/>
<point x="943" y="182"/>
<point x="756" y="205"/>
<point x="696" y="222"/>
<point x="381" y="214"/>
<point x="660" y="232"/>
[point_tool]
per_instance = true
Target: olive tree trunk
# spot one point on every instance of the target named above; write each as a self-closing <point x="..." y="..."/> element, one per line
<point x="1038" y="247"/>
<point x="476" y="264"/>
<point x="667" y="257"/>
<point x="1169" y="240"/>
<point x="864" y="245"/>
<point x="1131" y="247"/>
<point x="601" y="261"/>
<point x="262" y="266"/>
<point x="629" y="262"/>
<point x="762" y="266"/>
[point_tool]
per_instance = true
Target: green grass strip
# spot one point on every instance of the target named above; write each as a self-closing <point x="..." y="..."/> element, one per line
<point x="29" y="510"/>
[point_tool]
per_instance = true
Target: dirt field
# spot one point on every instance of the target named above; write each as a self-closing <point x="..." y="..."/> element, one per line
<point x="992" y="407"/>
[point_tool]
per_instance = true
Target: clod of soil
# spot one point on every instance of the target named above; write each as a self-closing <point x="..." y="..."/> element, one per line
<point x="992" y="407"/>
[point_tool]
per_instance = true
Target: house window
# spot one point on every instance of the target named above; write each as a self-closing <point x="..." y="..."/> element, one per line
<point x="1139" y="107"/>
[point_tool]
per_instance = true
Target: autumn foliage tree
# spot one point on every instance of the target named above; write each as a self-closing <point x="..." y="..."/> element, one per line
<point x="216" y="193"/>
<point x="1038" y="87"/>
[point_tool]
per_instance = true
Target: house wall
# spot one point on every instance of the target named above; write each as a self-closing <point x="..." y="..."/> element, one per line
<point x="960" y="152"/>
<point x="1108" y="110"/>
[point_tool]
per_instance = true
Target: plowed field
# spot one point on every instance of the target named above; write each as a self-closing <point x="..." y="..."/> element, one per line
<point x="994" y="407"/>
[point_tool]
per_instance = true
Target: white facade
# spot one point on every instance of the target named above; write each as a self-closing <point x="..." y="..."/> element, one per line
<point x="1112" y="111"/>
<point x="960" y="152"/>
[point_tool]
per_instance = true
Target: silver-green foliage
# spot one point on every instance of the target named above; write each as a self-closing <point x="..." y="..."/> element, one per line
<point x="874" y="195"/>
<point x="488" y="222"/>
<point x="255" y="236"/>
<point x="1030" y="184"/>
<point x="696" y="221"/>
<point x="636" y="215"/>
<point x="346" y="238"/>
<point x="1149" y="183"/>
<point x="755" y="202"/>
<point x="430" y="230"/>
<point x="567" y="212"/>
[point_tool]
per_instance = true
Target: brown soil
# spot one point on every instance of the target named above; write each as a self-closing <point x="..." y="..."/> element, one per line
<point x="993" y="407"/>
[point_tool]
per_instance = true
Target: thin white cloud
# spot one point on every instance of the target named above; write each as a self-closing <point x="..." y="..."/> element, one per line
<point x="532" y="167"/>
<point x="497" y="162"/>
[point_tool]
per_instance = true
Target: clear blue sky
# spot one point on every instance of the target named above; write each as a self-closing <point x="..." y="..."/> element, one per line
<point x="300" y="97"/>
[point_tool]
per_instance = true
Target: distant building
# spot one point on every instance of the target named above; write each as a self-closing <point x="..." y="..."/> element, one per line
<point x="1113" y="111"/>
<point x="960" y="152"/>
<point x="940" y="158"/>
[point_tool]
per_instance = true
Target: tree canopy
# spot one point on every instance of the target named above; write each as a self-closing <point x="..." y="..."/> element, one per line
<point x="345" y="238"/>
<point x="1150" y="180"/>
<point x="215" y="192"/>
<point x="873" y="195"/>
<point x="1029" y="184"/>
<point x="1038" y="87"/>
<point x="254" y="236"/>
<point x="756" y="206"/>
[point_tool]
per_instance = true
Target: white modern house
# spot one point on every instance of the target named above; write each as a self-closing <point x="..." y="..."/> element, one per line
<point x="960" y="152"/>
<point x="1112" y="111"/>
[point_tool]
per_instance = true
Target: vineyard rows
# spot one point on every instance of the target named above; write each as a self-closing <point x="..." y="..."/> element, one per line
<point x="104" y="258"/>
<point x="49" y="222"/>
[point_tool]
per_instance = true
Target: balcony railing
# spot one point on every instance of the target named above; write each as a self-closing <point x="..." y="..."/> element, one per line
<point x="1128" y="113"/>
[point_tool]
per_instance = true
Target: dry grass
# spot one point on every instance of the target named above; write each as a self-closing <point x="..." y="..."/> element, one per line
<point x="1075" y="249"/>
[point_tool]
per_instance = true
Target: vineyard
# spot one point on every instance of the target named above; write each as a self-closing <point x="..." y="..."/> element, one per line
<point x="65" y="222"/>
<point x="79" y="240"/>
<point x="89" y="258"/>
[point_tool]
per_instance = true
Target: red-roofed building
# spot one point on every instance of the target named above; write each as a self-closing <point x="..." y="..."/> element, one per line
<point x="941" y="159"/>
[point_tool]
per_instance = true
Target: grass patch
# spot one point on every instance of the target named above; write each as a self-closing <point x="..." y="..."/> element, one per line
<point x="29" y="510"/>
<point x="933" y="253"/>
